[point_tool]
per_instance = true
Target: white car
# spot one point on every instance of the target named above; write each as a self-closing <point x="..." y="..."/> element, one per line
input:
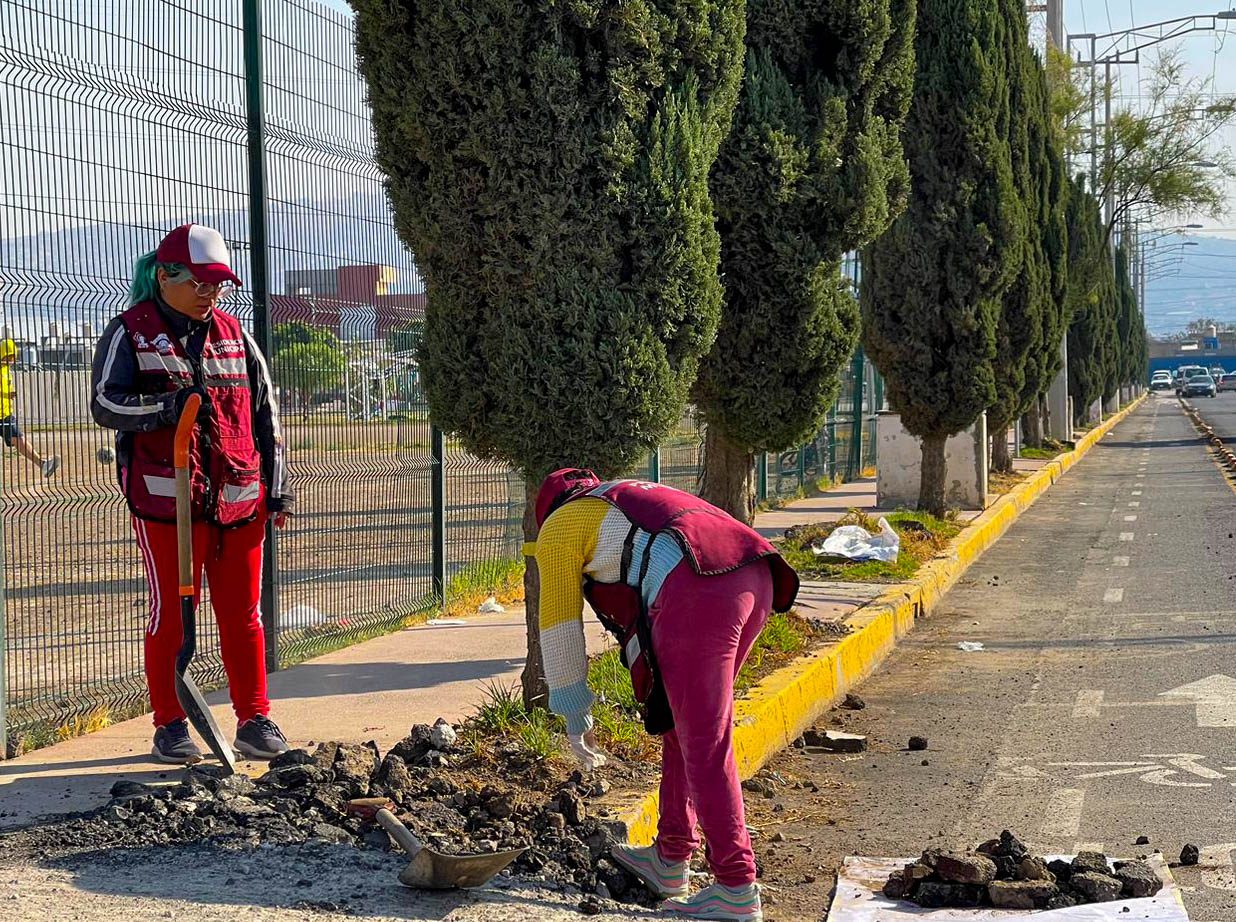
<point x="1161" y="381"/>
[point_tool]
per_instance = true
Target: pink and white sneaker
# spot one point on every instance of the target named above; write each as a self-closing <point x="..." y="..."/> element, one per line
<point x="736" y="904"/>
<point x="664" y="878"/>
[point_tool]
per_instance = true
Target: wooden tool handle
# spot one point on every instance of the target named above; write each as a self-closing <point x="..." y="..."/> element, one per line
<point x="184" y="492"/>
<point x="400" y="833"/>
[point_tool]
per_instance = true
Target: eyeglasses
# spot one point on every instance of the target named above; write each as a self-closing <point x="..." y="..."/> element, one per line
<point x="204" y="289"/>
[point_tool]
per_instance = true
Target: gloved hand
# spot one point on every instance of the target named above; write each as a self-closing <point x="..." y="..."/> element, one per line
<point x="585" y="749"/>
<point x="182" y="397"/>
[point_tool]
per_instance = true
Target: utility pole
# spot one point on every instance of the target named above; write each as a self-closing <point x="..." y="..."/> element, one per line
<point x="1055" y="23"/>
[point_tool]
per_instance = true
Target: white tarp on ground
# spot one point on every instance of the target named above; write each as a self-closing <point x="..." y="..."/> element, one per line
<point x="859" y="899"/>
<point x="856" y="543"/>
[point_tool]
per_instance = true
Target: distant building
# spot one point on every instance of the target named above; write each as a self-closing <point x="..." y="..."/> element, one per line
<point x="351" y="301"/>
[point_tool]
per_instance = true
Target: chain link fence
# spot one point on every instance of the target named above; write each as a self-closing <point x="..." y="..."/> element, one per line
<point x="124" y="118"/>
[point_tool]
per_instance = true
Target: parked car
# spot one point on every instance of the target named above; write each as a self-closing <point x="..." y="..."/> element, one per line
<point x="1184" y="373"/>
<point x="1217" y="373"/>
<point x="1227" y="383"/>
<point x="1161" y="381"/>
<point x="1200" y="385"/>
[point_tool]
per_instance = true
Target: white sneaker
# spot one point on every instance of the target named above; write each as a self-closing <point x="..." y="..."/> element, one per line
<point x="733" y="904"/>
<point x="664" y="878"/>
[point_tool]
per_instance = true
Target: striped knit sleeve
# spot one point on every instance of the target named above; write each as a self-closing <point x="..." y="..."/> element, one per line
<point x="566" y="544"/>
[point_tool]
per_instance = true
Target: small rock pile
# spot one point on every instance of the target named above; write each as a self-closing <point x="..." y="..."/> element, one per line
<point x="1002" y="873"/>
<point x="303" y="798"/>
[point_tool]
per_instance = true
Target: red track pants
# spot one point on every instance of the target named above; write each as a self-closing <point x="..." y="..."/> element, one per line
<point x="233" y="561"/>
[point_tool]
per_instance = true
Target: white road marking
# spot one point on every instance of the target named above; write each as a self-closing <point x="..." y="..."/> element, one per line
<point x="1130" y="518"/>
<point x="1126" y="536"/>
<point x="1089" y="703"/>
<point x="1136" y="504"/>
<point x="1120" y="561"/>
<point x="1215" y="697"/>
<point x="1136" y="493"/>
<point x="1113" y="596"/>
<point x="1063" y="814"/>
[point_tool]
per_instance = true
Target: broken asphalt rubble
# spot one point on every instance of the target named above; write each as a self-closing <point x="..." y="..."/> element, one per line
<point x="303" y="798"/>
<point x="1002" y="873"/>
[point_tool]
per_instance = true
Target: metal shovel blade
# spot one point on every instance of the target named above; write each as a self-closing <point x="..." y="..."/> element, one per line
<point x="190" y="698"/>
<point x="430" y="870"/>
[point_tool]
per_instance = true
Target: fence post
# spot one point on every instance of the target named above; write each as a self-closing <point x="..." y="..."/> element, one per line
<point x="802" y="465"/>
<point x="4" y="651"/>
<point x="855" y="465"/>
<point x="259" y="284"/>
<point x="437" y="489"/>
<point x="654" y="465"/>
<point x="761" y="476"/>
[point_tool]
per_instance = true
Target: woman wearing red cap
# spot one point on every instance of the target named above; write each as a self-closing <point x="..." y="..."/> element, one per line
<point x="174" y="340"/>
<point x="687" y="589"/>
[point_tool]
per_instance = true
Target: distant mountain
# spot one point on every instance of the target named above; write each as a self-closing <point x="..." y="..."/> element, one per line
<point x="1185" y="283"/>
<point x="80" y="275"/>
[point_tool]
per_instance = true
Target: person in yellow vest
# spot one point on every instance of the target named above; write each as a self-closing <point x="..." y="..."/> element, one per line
<point x="10" y="432"/>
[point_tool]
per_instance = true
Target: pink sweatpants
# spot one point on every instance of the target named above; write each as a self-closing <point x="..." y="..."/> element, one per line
<point x="703" y="627"/>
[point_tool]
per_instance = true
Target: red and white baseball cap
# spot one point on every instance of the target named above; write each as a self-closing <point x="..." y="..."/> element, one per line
<point x="202" y="250"/>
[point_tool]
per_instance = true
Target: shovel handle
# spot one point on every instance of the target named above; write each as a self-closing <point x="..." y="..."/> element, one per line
<point x="184" y="495"/>
<point x="400" y="833"/>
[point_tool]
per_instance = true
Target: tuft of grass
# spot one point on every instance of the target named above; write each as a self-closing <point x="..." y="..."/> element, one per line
<point x="784" y="637"/>
<point x="1000" y="482"/>
<point x="922" y="537"/>
<point x="501" y="719"/>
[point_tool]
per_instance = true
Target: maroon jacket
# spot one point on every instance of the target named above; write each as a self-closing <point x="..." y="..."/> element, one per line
<point x="224" y="458"/>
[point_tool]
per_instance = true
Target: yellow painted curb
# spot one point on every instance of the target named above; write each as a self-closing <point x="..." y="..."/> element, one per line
<point x="776" y="711"/>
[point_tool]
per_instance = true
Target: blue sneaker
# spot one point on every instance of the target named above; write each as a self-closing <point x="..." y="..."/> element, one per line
<point x="260" y="738"/>
<point x="173" y="745"/>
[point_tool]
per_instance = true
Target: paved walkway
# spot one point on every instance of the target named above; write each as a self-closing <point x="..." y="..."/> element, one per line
<point x="374" y="690"/>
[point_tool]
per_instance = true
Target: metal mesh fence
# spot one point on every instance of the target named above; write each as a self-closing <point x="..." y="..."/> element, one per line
<point x="119" y="120"/>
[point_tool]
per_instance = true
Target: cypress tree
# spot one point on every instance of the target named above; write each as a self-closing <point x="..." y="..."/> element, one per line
<point x="1019" y="330"/>
<point x="1090" y="299"/>
<point x="812" y="169"/>
<point x="547" y="164"/>
<point x="932" y="284"/>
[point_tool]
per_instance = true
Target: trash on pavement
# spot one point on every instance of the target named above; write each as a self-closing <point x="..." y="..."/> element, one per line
<point x="854" y="542"/>
<point x="970" y="646"/>
<point x="859" y="898"/>
<point x="490" y="605"/>
<point x="445" y="622"/>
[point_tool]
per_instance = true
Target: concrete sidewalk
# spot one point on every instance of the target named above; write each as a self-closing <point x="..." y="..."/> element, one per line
<point x="374" y="690"/>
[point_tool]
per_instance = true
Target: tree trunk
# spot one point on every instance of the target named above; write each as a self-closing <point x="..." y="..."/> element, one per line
<point x="535" y="688"/>
<point x="1001" y="457"/>
<point x="1032" y="426"/>
<point x="932" y="475"/>
<point x="727" y="476"/>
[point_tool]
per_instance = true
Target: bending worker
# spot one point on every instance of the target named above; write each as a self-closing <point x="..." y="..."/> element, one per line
<point x="686" y="589"/>
<point x="173" y="341"/>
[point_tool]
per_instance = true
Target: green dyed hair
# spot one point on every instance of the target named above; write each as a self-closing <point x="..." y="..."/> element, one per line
<point x="145" y="284"/>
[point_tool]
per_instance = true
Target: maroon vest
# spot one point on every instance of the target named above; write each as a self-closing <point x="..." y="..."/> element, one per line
<point x="712" y="541"/>
<point x="224" y="461"/>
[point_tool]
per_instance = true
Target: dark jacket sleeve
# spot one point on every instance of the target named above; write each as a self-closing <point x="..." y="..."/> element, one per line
<point x="114" y="400"/>
<point x="267" y="430"/>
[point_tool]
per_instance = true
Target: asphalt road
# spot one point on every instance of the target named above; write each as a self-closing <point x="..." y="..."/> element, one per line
<point x="1102" y="708"/>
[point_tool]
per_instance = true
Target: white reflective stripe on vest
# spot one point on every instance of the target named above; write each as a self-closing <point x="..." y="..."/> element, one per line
<point x="159" y="486"/>
<point x="234" y="494"/>
<point x="216" y="367"/>
<point x="153" y="361"/>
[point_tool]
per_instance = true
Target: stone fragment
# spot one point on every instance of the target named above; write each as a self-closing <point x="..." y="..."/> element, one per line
<point x="393" y="775"/>
<point x="1006" y="867"/>
<point x="1031" y="868"/>
<point x="1094" y="862"/>
<point x="1060" y="869"/>
<point x="1138" y="879"/>
<point x="1096" y="888"/>
<point x="934" y="895"/>
<point x="324" y="755"/>
<point x="292" y="757"/>
<point x="916" y="872"/>
<point x="853" y="702"/>
<point x="895" y="887"/>
<point x="442" y="735"/>
<point x="126" y="788"/>
<point x="1021" y="894"/>
<point x="573" y="808"/>
<point x="329" y="833"/>
<point x="1142" y="840"/>
<point x="500" y="806"/>
<point x="287" y="779"/>
<point x="834" y="740"/>
<point x="1190" y="855"/>
<point x="966" y="869"/>
<point x="356" y="764"/>
<point x="918" y="743"/>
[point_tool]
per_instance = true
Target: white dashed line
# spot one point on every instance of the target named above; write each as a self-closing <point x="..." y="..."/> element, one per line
<point x="1089" y="703"/>
<point x="1135" y="505"/>
<point x="1112" y="596"/>
<point x="1126" y="536"/>
<point x="1063" y="814"/>
<point x="1130" y="518"/>
<point x="1120" y="561"/>
<point x="1136" y="493"/>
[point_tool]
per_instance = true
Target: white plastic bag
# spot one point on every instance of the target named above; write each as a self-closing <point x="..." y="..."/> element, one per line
<point x="490" y="605"/>
<point x="856" y="543"/>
